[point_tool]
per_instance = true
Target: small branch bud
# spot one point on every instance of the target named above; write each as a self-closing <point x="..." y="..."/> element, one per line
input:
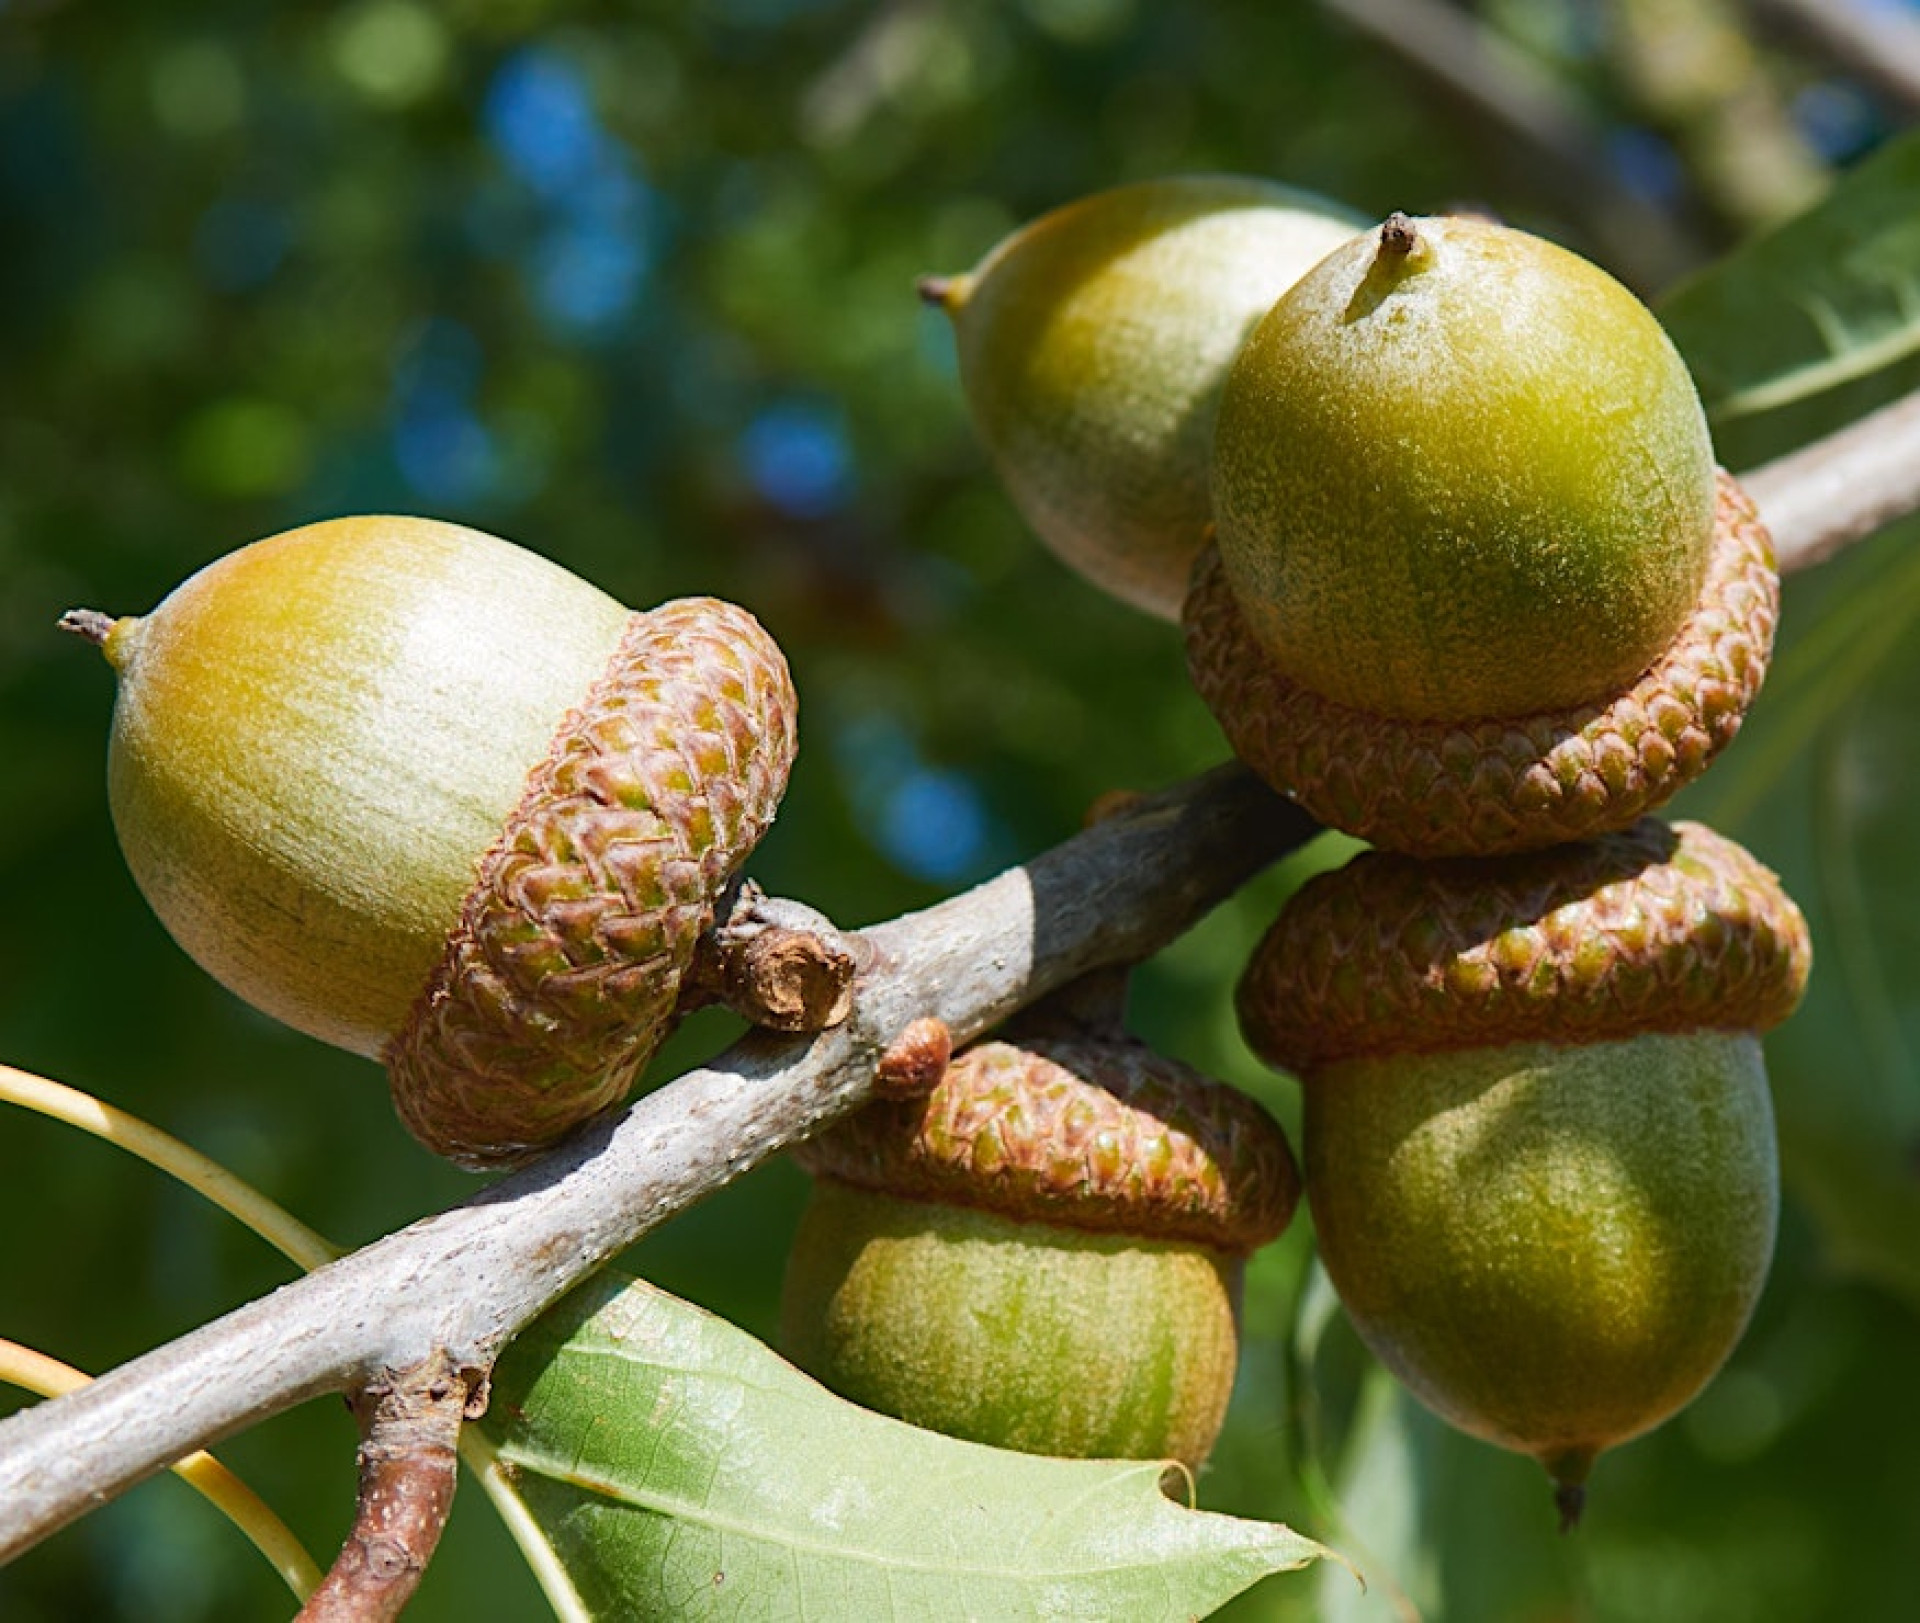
<point x="915" y="1061"/>
<point x="1112" y="803"/>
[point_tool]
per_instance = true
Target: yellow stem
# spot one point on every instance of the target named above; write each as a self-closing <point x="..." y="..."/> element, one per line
<point x="549" y="1573"/>
<point x="36" y="1372"/>
<point x="301" y="1246"/>
<point x="274" y="1224"/>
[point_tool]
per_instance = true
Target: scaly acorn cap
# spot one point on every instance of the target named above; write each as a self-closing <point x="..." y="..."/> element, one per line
<point x="1438" y="789"/>
<point x="1091" y="1134"/>
<point x="563" y="974"/>
<point x="1655" y="929"/>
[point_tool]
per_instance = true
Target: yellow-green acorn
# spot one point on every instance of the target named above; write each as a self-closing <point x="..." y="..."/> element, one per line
<point x="1093" y="345"/>
<point x="1479" y="585"/>
<point x="1538" y="1141"/>
<point x="430" y="797"/>
<point x="1045" y="1254"/>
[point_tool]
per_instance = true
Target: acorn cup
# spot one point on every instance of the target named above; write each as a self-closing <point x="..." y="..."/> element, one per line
<point x="1093" y="345"/>
<point x="1045" y="1254"/>
<point x="433" y="799"/>
<point x="1538" y="1141"/>
<point x="1478" y="585"/>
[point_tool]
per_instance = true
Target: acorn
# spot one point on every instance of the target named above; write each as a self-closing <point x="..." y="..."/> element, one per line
<point x="429" y="797"/>
<point x="1538" y="1142"/>
<point x="1093" y="344"/>
<point x="1479" y="585"/>
<point x="1045" y="1253"/>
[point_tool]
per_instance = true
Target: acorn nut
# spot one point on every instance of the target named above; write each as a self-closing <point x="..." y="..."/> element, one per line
<point x="1538" y="1141"/>
<point x="1093" y="344"/>
<point x="432" y="798"/>
<point x="1479" y="586"/>
<point x="1044" y="1254"/>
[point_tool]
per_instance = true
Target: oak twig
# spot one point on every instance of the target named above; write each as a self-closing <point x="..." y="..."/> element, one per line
<point x="1512" y="92"/>
<point x="409" y="1460"/>
<point x="1841" y="489"/>
<point x="460" y="1284"/>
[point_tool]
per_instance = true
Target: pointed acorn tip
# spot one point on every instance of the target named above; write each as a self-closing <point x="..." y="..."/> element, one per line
<point x="1568" y="1467"/>
<point x="1398" y="235"/>
<point x="115" y="636"/>
<point x="942" y="292"/>
<point x="90" y="624"/>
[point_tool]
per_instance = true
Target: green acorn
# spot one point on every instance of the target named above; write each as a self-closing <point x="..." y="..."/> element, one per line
<point x="1045" y="1254"/>
<point x="433" y="799"/>
<point x="1538" y="1141"/>
<point x="1479" y="586"/>
<point x="1093" y="346"/>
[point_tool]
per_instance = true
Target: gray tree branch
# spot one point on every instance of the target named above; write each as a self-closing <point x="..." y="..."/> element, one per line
<point x="458" y="1285"/>
<point x="1841" y="489"/>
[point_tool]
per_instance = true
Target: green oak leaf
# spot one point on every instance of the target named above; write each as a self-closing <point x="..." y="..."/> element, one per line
<point x="673" y="1467"/>
<point x="1829" y="301"/>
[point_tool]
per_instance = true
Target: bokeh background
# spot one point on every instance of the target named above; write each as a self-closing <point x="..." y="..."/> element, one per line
<point x="634" y="286"/>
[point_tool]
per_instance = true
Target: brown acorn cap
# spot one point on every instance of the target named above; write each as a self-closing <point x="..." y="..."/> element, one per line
<point x="1476" y="788"/>
<point x="563" y="974"/>
<point x="1091" y="1134"/>
<point x="1658" y="928"/>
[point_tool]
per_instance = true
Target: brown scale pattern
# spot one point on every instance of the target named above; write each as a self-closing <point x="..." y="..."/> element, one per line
<point x="1090" y="1134"/>
<point x="562" y="976"/>
<point x="1476" y="788"/>
<point x="1656" y="928"/>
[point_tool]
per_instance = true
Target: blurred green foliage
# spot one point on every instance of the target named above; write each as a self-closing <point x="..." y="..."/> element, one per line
<point x="634" y="286"/>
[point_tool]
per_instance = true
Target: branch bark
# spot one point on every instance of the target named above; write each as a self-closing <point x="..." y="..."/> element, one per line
<point x="409" y="1462"/>
<point x="458" y="1285"/>
<point x="774" y="962"/>
<point x="1841" y="489"/>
